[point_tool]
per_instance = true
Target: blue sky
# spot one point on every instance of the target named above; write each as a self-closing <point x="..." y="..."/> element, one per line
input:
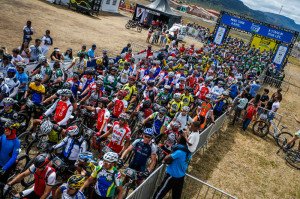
<point x="291" y="8"/>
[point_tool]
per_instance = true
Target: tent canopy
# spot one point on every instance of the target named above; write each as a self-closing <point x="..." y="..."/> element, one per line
<point x="161" y="5"/>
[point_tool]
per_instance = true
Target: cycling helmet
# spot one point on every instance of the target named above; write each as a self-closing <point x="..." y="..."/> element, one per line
<point x="100" y="77"/>
<point x="99" y="82"/>
<point x="151" y="82"/>
<point x="162" y="110"/>
<point x="99" y="61"/>
<point x="113" y="69"/>
<point x="171" y="74"/>
<point x="85" y="156"/>
<point x="147" y="104"/>
<point x="41" y="160"/>
<point x="167" y="87"/>
<point x="42" y="59"/>
<point x="131" y="78"/>
<point x="181" y="78"/>
<point x="208" y="96"/>
<point x="166" y="67"/>
<point x="186" y="108"/>
<point x="8" y="101"/>
<point x="73" y="130"/>
<point x="175" y="125"/>
<point x="66" y="92"/>
<point x="225" y="93"/>
<point x="9" y="124"/>
<point x="38" y="77"/>
<point x="103" y="100"/>
<point x="124" y="116"/>
<point x="1" y="76"/>
<point x="176" y="96"/>
<point x="67" y="85"/>
<point x="89" y="71"/>
<point x="148" y="131"/>
<point x="76" y="181"/>
<point x="111" y="157"/>
<point x="11" y="70"/>
<point x="122" y="93"/>
<point x="111" y="61"/>
<point x="46" y="127"/>
<point x="189" y="89"/>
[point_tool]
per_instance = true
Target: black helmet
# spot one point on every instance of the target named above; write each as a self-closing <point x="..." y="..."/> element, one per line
<point x="89" y="71"/>
<point x="41" y="160"/>
<point x="67" y="85"/>
<point x="162" y="110"/>
<point x="147" y="104"/>
<point x="150" y="82"/>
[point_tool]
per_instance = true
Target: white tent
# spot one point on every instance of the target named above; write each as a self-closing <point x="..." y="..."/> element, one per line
<point x="110" y="6"/>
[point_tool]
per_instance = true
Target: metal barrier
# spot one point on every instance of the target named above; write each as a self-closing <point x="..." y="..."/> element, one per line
<point x="276" y="83"/>
<point x="148" y="187"/>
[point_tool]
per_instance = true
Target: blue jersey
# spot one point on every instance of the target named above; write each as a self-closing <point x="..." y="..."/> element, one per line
<point x="65" y="195"/>
<point x="9" y="151"/>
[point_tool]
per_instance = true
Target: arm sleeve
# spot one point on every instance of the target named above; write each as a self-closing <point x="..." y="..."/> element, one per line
<point x="15" y="90"/>
<point x="51" y="109"/>
<point x="62" y="143"/>
<point x="51" y="179"/>
<point x="14" y="156"/>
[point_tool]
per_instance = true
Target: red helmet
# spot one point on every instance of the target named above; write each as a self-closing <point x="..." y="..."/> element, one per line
<point x="122" y="93"/>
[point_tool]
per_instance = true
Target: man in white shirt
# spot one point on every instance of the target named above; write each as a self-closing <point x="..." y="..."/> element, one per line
<point x="192" y="136"/>
<point x="47" y="41"/>
<point x="183" y="118"/>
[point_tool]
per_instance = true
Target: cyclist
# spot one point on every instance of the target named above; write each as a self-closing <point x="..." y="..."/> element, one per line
<point x="107" y="178"/>
<point x="78" y="64"/>
<point x="85" y="164"/>
<point x="9" y="150"/>
<point x="164" y="96"/>
<point x="7" y="113"/>
<point x="12" y="82"/>
<point x="183" y="118"/>
<point x="62" y="107"/>
<point x="70" y="190"/>
<point x="204" y="110"/>
<point x="187" y="98"/>
<point x="73" y="145"/>
<point x="221" y="104"/>
<point x="131" y="92"/>
<point x="4" y="90"/>
<point x="143" y="149"/>
<point x="36" y="90"/>
<point x="118" y="104"/>
<point x="172" y="135"/>
<point x="110" y="80"/>
<point x="44" y="179"/>
<point x="57" y="76"/>
<point x="175" y="105"/>
<point x="160" y="121"/>
<point x="151" y="91"/>
<point x="95" y="90"/>
<point x="120" y="132"/>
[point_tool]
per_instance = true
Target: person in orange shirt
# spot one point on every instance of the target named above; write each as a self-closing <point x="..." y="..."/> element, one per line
<point x="204" y="111"/>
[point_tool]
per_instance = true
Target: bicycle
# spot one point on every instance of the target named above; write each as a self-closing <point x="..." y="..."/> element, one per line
<point x="133" y="24"/>
<point x="261" y="128"/>
<point x="292" y="157"/>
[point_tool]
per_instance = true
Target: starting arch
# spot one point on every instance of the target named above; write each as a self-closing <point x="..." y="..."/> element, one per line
<point x="264" y="36"/>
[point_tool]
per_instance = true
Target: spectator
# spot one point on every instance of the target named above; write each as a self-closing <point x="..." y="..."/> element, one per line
<point x="177" y="162"/>
<point x="16" y="57"/>
<point x="193" y="136"/>
<point x="254" y="87"/>
<point x="83" y="51"/>
<point x="242" y="103"/>
<point x="27" y="32"/>
<point x="25" y="51"/>
<point x="35" y="51"/>
<point x="250" y="113"/>
<point x="68" y="55"/>
<point x="56" y="55"/>
<point x="125" y="49"/>
<point x="274" y="109"/>
<point x="277" y="94"/>
<point x="47" y="41"/>
<point x="23" y="78"/>
<point x="91" y="56"/>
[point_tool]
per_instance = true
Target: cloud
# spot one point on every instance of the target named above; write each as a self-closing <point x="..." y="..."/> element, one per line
<point x="290" y="7"/>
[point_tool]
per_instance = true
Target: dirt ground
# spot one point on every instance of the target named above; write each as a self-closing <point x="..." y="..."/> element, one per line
<point x="239" y="163"/>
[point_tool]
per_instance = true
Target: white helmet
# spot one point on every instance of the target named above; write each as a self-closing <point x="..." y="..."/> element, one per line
<point x="46" y="127"/>
<point x="1" y="76"/>
<point x="111" y="157"/>
<point x="38" y="77"/>
<point x="42" y="59"/>
<point x="186" y="108"/>
<point x="65" y="92"/>
<point x="73" y="130"/>
<point x="176" y="96"/>
<point x="171" y="74"/>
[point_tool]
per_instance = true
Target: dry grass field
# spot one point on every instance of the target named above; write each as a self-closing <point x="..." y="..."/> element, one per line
<point x="239" y="163"/>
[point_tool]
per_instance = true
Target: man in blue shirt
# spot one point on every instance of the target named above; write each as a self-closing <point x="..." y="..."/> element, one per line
<point x="23" y="79"/>
<point x="254" y="87"/>
<point x="91" y="55"/>
<point x="177" y="162"/>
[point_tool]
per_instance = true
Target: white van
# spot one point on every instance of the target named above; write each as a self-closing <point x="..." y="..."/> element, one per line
<point x="182" y="31"/>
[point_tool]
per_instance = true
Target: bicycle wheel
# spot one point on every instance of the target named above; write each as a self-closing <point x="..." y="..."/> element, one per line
<point x="284" y="138"/>
<point x="25" y="138"/>
<point x="22" y="161"/>
<point x="129" y="157"/>
<point x="293" y="158"/>
<point x="260" y="128"/>
<point x="127" y="26"/>
<point x="28" y="180"/>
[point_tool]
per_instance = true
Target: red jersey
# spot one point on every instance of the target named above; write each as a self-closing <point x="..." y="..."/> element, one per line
<point x="119" y="134"/>
<point x="191" y="81"/>
<point x="119" y="106"/>
<point x="61" y="110"/>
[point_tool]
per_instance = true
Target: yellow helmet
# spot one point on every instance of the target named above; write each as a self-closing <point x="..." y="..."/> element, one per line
<point x="76" y="181"/>
<point x="99" y="61"/>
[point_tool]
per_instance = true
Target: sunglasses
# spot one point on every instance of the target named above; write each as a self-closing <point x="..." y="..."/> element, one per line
<point x="147" y="136"/>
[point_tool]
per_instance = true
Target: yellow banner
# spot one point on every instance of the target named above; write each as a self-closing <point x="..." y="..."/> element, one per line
<point x="262" y="43"/>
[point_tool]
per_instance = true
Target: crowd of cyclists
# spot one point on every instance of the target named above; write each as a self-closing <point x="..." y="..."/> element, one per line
<point x="89" y="120"/>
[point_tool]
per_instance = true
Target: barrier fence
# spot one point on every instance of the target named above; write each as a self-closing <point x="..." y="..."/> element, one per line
<point x="276" y="83"/>
<point x="202" y="190"/>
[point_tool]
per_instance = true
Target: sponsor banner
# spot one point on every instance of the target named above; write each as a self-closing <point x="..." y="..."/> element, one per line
<point x="263" y="43"/>
<point x="280" y="56"/>
<point x="220" y="35"/>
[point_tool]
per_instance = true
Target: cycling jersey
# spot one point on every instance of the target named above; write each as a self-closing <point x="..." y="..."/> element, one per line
<point x="9" y="151"/>
<point x="37" y="92"/>
<point x="75" y="86"/>
<point x="13" y="85"/>
<point x="142" y="152"/>
<point x="158" y="122"/>
<point x="72" y="147"/>
<point x="107" y="181"/>
<point x="119" y="134"/>
<point x="205" y="107"/>
<point x="89" y="168"/>
<point x="64" y="195"/>
<point x="86" y="82"/>
<point x="163" y="98"/>
<point x="63" y="111"/>
<point x="79" y="65"/>
<point x="119" y="106"/>
<point x="132" y="90"/>
<point x="171" y="140"/>
<point x="187" y="100"/>
<point x="174" y="107"/>
<point x="103" y="114"/>
<point x="42" y="178"/>
<point x="123" y="78"/>
<point x="192" y="81"/>
<point x="202" y="92"/>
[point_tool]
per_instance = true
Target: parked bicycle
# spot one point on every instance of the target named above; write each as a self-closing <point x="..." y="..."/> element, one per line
<point x="134" y="24"/>
<point x="261" y="128"/>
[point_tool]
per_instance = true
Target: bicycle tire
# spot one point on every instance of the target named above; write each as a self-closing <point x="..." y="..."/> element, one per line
<point x="20" y="167"/>
<point x="281" y="139"/>
<point x="127" y="26"/>
<point x="260" y="130"/>
<point x="25" y="139"/>
<point x="129" y="157"/>
<point x="291" y="158"/>
<point x="29" y="180"/>
<point x="126" y="189"/>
